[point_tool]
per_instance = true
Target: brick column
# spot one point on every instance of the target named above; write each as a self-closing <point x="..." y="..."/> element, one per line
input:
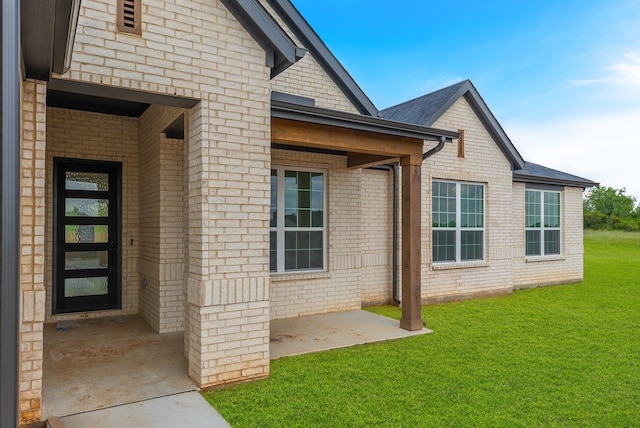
<point x="228" y="279"/>
<point x="32" y="245"/>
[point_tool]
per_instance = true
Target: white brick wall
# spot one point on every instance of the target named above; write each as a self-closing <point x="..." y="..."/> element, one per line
<point x="162" y="241"/>
<point x="483" y="163"/>
<point x="376" y="219"/>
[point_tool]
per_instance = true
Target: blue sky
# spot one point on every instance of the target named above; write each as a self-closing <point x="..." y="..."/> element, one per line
<point x="562" y="77"/>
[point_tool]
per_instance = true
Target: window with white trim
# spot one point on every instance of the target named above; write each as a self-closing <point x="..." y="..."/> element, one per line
<point x="542" y="223"/>
<point x="457" y="222"/>
<point x="298" y="238"/>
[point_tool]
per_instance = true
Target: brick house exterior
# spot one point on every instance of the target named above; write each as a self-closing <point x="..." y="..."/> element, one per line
<point x="204" y="113"/>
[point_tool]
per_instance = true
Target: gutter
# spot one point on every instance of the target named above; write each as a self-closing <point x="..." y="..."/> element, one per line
<point x="436" y="149"/>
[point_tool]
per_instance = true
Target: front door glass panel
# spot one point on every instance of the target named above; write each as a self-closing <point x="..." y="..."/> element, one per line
<point x="87" y="256"/>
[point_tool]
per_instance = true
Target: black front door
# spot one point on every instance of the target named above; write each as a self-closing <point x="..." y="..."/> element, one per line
<point x="86" y="235"/>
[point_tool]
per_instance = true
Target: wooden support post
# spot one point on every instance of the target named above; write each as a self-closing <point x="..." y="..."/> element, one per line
<point x="411" y="242"/>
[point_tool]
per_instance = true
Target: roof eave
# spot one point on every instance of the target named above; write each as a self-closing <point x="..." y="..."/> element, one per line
<point x="527" y="178"/>
<point x="321" y="116"/>
<point x="281" y="52"/>
<point x="48" y="30"/>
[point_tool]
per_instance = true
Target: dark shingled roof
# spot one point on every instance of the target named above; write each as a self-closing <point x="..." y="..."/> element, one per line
<point x="534" y="173"/>
<point x="426" y="110"/>
<point x="420" y="110"/>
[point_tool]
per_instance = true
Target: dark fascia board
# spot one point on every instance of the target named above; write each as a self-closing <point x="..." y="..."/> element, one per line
<point x="48" y="30"/>
<point x="281" y="52"/>
<point x="487" y="118"/>
<point x="292" y="99"/>
<point x="37" y="20"/>
<point x="322" y="54"/>
<point x="66" y="21"/>
<point x="75" y="87"/>
<point x="321" y="116"/>
<point x="527" y="178"/>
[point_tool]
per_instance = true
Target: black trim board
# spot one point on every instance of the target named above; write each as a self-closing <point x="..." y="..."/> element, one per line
<point x="292" y="99"/>
<point x="9" y="246"/>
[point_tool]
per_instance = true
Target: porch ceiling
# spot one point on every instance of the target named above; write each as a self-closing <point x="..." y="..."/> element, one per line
<point x="367" y="140"/>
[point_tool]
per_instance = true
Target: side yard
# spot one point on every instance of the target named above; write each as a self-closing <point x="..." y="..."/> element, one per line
<point x="557" y="356"/>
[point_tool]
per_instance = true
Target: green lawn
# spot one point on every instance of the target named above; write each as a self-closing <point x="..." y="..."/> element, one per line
<point x="556" y="356"/>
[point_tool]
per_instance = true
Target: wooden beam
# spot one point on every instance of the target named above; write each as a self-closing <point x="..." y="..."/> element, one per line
<point x="411" y="270"/>
<point x="285" y="131"/>
<point x="362" y="160"/>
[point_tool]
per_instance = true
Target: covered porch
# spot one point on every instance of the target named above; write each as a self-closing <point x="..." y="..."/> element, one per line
<point x="102" y="363"/>
<point x="365" y="141"/>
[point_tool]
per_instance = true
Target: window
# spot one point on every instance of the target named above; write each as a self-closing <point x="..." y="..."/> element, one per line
<point x="297" y="220"/>
<point x="458" y="222"/>
<point x="542" y="223"/>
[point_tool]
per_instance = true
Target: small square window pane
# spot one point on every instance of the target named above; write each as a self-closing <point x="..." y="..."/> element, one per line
<point x="290" y="260"/>
<point x="290" y="240"/>
<point x="315" y="240"/>
<point x="304" y="218"/>
<point x="304" y="180"/>
<point x="303" y="239"/>
<point x="532" y="243"/>
<point x="552" y="242"/>
<point x="315" y="259"/>
<point x="471" y="246"/>
<point x="317" y="218"/>
<point x="290" y="218"/>
<point x="444" y="246"/>
<point x="304" y="199"/>
<point x="302" y="259"/>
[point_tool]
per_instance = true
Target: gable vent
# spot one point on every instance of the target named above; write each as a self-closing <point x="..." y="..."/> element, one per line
<point x="129" y="12"/>
<point x="461" y="143"/>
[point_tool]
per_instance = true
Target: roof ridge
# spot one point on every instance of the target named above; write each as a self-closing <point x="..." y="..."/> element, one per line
<point x="427" y="95"/>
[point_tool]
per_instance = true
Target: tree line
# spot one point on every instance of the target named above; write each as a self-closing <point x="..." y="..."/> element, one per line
<point x="606" y="208"/>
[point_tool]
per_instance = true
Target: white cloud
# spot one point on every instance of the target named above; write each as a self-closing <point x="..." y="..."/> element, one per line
<point x="627" y="72"/>
<point x="624" y="73"/>
<point x="583" y="82"/>
<point x="602" y="148"/>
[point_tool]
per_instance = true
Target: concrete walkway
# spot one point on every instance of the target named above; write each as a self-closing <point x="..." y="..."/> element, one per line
<point x="119" y="373"/>
<point x="187" y="409"/>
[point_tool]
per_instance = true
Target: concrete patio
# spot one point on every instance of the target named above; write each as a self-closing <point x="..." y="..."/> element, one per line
<point x="117" y="371"/>
<point x="315" y="333"/>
